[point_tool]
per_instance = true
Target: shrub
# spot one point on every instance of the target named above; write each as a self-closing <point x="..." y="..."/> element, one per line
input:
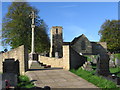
<point x="24" y="82"/>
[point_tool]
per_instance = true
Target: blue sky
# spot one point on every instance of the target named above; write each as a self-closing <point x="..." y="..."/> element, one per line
<point x="76" y="18"/>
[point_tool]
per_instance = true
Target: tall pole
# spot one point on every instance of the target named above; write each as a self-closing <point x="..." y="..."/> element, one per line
<point x="33" y="16"/>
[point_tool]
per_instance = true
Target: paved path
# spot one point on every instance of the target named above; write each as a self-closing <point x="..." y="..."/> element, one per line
<point x="58" y="78"/>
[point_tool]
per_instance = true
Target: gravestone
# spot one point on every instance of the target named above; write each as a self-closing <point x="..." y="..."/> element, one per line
<point x="118" y="80"/>
<point x="10" y="72"/>
<point x="11" y="78"/>
<point x="56" y="55"/>
<point x="87" y="66"/>
<point x="111" y="63"/>
<point x="103" y="64"/>
<point x="94" y="61"/>
<point x="11" y="66"/>
<point x="117" y="62"/>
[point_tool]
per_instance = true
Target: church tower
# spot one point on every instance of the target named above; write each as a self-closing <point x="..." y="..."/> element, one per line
<point x="56" y="37"/>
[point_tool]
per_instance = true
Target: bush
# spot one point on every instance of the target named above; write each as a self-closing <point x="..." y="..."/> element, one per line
<point x="24" y="82"/>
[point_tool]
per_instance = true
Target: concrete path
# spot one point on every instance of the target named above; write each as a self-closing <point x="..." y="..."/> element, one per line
<point x="58" y="78"/>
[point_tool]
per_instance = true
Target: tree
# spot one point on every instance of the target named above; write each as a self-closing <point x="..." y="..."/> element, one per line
<point x="110" y="33"/>
<point x="16" y="29"/>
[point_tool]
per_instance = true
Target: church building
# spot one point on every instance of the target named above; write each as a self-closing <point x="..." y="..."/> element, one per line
<point x="80" y="44"/>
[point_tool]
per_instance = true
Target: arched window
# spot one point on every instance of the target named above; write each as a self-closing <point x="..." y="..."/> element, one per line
<point x="83" y="45"/>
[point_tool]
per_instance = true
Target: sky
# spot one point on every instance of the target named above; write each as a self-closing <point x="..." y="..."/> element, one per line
<point x="76" y="18"/>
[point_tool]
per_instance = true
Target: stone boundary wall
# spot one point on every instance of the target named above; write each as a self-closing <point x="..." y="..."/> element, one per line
<point x="54" y="62"/>
<point x="66" y="57"/>
<point x="21" y="54"/>
<point x="76" y="60"/>
<point x="58" y="62"/>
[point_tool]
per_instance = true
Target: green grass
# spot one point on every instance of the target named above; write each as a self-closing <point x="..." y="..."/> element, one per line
<point x="96" y="80"/>
<point x="24" y="82"/>
<point x="117" y="56"/>
<point x="114" y="70"/>
<point x="89" y="57"/>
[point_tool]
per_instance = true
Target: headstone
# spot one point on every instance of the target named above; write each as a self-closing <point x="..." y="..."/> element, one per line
<point x="94" y="61"/>
<point x="11" y="78"/>
<point x="56" y="55"/>
<point x="111" y="56"/>
<point x="87" y="66"/>
<point x="118" y="80"/>
<point x="117" y="62"/>
<point x="103" y="64"/>
<point x="11" y="66"/>
<point x="111" y="63"/>
<point x="10" y="72"/>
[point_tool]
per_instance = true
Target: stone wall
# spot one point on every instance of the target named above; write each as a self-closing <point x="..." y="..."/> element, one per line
<point x="71" y="59"/>
<point x="58" y="62"/>
<point x="99" y="47"/>
<point x="66" y="57"/>
<point x="20" y="54"/>
<point x="82" y="45"/>
<point x="54" y="62"/>
<point x="76" y="60"/>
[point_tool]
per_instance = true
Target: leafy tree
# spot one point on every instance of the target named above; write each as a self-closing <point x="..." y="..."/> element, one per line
<point x="17" y="31"/>
<point x="110" y="33"/>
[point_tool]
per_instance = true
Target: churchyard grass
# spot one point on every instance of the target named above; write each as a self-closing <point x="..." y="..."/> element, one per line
<point x="117" y="55"/>
<point x="24" y="82"/>
<point x="114" y="70"/>
<point x="96" y="80"/>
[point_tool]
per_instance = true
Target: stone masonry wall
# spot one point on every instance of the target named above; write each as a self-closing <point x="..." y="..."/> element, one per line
<point x="77" y="46"/>
<point x="76" y="60"/>
<point x="20" y="54"/>
<point x="66" y="57"/>
<point x="99" y="47"/>
<point x="54" y="62"/>
<point x="58" y="62"/>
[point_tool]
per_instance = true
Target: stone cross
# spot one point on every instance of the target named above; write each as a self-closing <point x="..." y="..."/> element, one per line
<point x="33" y="16"/>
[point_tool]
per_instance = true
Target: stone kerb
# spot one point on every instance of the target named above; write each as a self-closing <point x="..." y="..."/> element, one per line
<point x="20" y="54"/>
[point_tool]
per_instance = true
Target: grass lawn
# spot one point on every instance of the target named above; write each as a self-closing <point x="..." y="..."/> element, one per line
<point x="117" y="55"/>
<point x="115" y="70"/>
<point x="96" y="80"/>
